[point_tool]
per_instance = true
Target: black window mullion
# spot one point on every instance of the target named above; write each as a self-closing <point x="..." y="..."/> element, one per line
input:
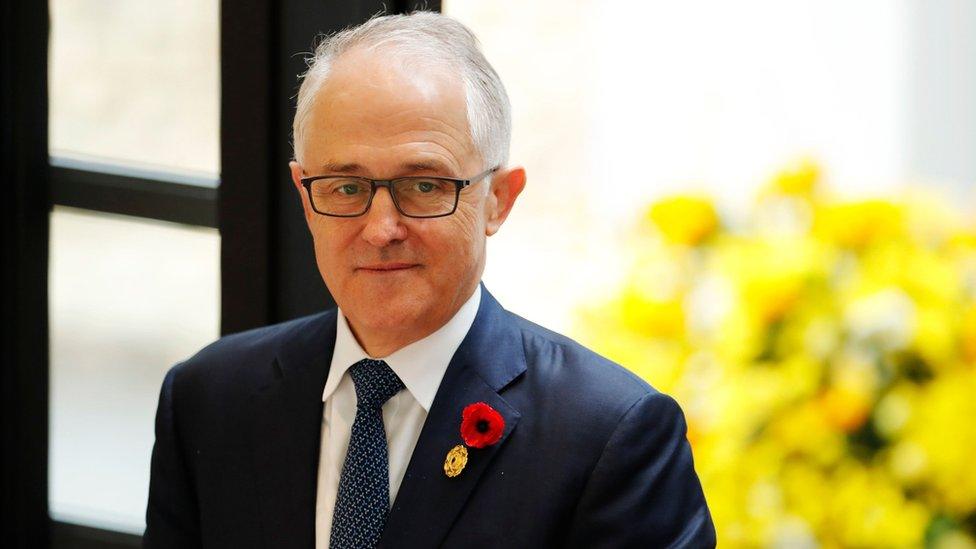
<point x="24" y="28"/>
<point x="153" y="194"/>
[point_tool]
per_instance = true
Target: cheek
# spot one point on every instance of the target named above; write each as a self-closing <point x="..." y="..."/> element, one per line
<point x="468" y="221"/>
<point x="328" y="239"/>
<point x="460" y="238"/>
<point x="319" y="232"/>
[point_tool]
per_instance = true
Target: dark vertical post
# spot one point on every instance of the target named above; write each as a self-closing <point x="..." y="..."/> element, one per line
<point x="24" y="31"/>
<point x="244" y="199"/>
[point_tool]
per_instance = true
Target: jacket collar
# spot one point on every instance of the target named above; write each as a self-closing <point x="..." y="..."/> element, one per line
<point x="286" y="431"/>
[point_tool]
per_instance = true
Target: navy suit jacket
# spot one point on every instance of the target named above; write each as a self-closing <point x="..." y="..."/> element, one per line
<point x="591" y="455"/>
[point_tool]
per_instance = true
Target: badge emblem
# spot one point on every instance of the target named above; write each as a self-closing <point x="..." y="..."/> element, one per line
<point x="456" y="459"/>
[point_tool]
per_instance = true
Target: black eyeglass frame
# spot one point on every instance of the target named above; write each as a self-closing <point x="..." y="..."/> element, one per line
<point x="388" y="183"/>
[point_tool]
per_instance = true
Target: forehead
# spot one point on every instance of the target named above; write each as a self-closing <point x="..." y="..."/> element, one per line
<point x="375" y="102"/>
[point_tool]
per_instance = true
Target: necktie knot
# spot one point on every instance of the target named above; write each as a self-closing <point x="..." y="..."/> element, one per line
<point x="375" y="383"/>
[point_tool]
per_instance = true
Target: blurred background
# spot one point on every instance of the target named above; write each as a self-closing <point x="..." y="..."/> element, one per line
<point x="764" y="208"/>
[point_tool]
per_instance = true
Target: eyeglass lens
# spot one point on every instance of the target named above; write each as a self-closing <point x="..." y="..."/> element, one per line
<point x="415" y="196"/>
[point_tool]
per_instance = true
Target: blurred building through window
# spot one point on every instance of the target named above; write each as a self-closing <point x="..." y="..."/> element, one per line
<point x="129" y="299"/>
<point x="136" y="81"/>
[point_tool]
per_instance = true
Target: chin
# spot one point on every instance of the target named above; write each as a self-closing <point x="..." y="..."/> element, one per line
<point x="391" y="310"/>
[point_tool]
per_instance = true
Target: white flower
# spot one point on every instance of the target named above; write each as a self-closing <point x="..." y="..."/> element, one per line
<point x="885" y="319"/>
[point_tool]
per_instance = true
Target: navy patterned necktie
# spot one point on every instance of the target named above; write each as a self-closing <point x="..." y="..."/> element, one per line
<point x="363" y="500"/>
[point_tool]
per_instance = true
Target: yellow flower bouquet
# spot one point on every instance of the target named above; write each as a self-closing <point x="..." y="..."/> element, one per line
<point x="824" y="353"/>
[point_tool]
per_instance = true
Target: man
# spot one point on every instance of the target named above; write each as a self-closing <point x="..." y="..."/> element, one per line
<point x="419" y="413"/>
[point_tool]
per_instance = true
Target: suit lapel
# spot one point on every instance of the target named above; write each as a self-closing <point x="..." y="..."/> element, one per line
<point x="428" y="502"/>
<point x="286" y="432"/>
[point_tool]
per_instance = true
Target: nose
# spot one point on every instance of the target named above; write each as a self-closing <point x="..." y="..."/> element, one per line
<point x="383" y="222"/>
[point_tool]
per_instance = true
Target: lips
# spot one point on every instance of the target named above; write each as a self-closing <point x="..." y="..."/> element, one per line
<point x="385" y="267"/>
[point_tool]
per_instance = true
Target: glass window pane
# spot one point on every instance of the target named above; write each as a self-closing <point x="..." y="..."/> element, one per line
<point x="136" y="81"/>
<point x="128" y="299"/>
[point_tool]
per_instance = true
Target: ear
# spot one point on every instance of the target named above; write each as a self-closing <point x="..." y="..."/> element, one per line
<point x="296" y="177"/>
<point x="505" y="188"/>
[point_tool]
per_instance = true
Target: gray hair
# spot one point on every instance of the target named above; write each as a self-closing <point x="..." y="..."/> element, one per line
<point x="428" y="36"/>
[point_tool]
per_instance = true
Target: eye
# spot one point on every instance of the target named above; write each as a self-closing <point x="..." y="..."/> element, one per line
<point x="348" y="189"/>
<point x="428" y="186"/>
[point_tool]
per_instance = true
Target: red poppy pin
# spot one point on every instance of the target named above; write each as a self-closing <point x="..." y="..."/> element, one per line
<point x="481" y="425"/>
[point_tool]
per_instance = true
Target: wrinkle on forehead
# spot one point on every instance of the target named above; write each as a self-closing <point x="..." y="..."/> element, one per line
<point x="371" y="104"/>
<point x="414" y="158"/>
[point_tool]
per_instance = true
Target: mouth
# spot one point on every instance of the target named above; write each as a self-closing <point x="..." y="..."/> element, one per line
<point x="380" y="268"/>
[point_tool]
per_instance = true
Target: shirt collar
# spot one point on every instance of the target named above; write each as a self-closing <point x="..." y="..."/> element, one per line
<point x="420" y="365"/>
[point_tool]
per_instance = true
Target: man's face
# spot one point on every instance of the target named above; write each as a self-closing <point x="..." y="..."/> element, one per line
<point x="394" y="275"/>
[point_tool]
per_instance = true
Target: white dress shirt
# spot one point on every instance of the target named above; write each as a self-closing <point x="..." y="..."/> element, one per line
<point x="421" y="366"/>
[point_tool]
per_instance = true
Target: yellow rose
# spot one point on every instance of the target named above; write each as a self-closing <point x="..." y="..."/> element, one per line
<point x="859" y="224"/>
<point x="799" y="179"/>
<point x="684" y="219"/>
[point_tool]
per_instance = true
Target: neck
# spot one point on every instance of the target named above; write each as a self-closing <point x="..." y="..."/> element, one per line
<point x="382" y="341"/>
<point x="382" y="345"/>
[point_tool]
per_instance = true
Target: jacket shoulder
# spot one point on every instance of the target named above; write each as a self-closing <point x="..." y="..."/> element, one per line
<point x="245" y="354"/>
<point x="567" y="365"/>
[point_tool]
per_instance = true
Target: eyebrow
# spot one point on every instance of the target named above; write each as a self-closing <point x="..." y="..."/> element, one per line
<point x="335" y="167"/>
<point x="406" y="167"/>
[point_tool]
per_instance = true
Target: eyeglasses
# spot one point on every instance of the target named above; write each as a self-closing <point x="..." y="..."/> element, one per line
<point x="414" y="196"/>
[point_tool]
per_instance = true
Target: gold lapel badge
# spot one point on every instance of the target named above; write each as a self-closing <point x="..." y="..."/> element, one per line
<point x="456" y="459"/>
